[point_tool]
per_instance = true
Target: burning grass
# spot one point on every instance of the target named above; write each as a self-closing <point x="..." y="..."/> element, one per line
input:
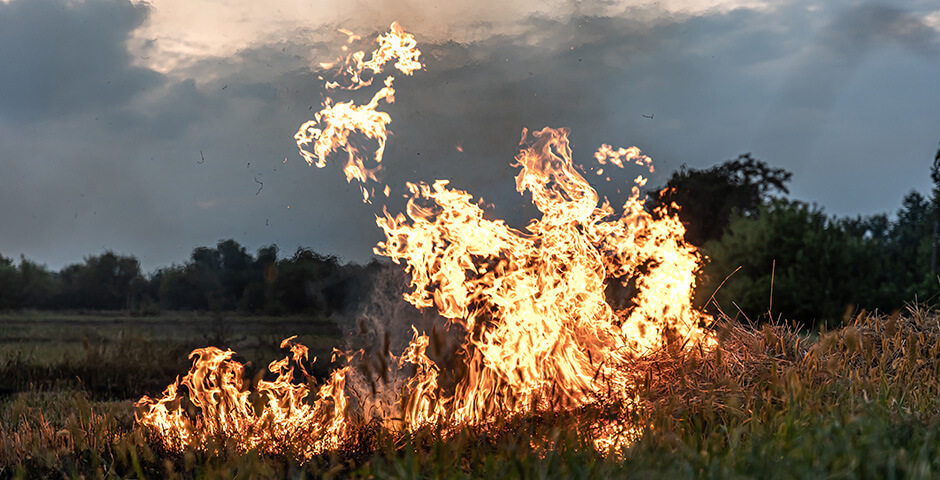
<point x="539" y="335"/>
<point x="548" y="379"/>
<point x="857" y="402"/>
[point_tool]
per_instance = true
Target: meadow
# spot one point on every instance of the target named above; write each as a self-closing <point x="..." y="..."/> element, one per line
<point x="862" y="401"/>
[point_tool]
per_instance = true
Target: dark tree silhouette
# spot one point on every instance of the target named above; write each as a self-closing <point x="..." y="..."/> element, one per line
<point x="38" y="284"/>
<point x="817" y="269"/>
<point x="706" y="199"/>
<point x="101" y="283"/>
<point x="935" y="211"/>
<point x="10" y="287"/>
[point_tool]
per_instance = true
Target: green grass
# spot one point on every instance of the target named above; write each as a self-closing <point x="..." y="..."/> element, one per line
<point x="119" y="356"/>
<point x="48" y="337"/>
<point x="859" y="402"/>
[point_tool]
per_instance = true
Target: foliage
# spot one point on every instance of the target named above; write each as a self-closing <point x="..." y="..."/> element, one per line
<point x="908" y="251"/>
<point x="227" y="278"/>
<point x="10" y="287"/>
<point x="224" y="278"/>
<point x="792" y="258"/>
<point x="818" y="268"/>
<point x="822" y="266"/>
<point x="27" y="285"/>
<point x="38" y="284"/>
<point x="707" y="199"/>
<point x="101" y="283"/>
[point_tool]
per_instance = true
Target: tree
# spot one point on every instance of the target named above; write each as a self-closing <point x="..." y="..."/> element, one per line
<point x="875" y="227"/>
<point x="177" y="290"/>
<point x="816" y="269"/>
<point x="707" y="199"/>
<point x="39" y="287"/>
<point x="203" y="272"/>
<point x="10" y="287"/>
<point x="935" y="177"/>
<point x="262" y="272"/>
<point x="935" y="211"/>
<point x="908" y="253"/>
<point x="300" y="283"/>
<point x="101" y="283"/>
<point x="235" y="273"/>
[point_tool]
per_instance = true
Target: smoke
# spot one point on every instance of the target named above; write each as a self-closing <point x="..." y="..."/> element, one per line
<point x="378" y="329"/>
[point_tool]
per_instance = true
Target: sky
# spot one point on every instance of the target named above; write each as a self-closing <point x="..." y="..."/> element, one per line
<point x="151" y="128"/>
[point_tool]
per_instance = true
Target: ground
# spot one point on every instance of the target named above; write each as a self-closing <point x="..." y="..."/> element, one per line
<point x="770" y="402"/>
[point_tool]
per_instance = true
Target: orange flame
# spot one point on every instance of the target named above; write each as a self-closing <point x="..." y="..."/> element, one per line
<point x="266" y="418"/>
<point x="541" y="328"/>
<point x="540" y="332"/>
<point x="331" y="127"/>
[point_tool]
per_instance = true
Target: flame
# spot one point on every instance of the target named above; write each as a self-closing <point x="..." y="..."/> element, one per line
<point x="540" y="333"/>
<point x="541" y="329"/>
<point x="331" y="127"/>
<point x="618" y="157"/>
<point x="271" y="416"/>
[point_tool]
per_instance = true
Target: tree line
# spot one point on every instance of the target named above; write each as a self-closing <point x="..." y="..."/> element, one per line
<point x="767" y="255"/>
<point x="221" y="278"/>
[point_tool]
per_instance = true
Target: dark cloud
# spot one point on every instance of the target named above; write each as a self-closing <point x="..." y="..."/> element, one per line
<point x="176" y="108"/>
<point x="60" y="57"/>
<point x="159" y="173"/>
<point x="854" y="34"/>
<point x="862" y="27"/>
<point x="838" y="58"/>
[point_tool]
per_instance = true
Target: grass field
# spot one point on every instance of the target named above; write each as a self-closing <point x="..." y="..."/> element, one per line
<point x="120" y="356"/>
<point x="859" y="402"/>
<point x="52" y="337"/>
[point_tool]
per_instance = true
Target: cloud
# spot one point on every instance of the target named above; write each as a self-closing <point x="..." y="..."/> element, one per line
<point x="179" y="30"/>
<point x="836" y="54"/>
<point x="124" y="168"/>
<point x="60" y="57"/>
<point x="854" y="34"/>
<point x="860" y="28"/>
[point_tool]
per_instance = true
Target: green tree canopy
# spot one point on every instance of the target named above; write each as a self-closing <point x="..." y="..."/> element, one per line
<point x="817" y="269"/>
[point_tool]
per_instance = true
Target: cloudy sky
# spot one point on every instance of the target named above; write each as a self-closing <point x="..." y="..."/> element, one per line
<point x="150" y="128"/>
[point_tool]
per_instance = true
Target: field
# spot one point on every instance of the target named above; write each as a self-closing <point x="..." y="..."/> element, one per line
<point x="859" y="402"/>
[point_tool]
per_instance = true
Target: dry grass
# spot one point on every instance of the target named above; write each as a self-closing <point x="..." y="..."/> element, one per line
<point x="859" y="402"/>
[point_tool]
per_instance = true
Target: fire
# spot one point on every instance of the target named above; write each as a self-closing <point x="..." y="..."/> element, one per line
<point x="540" y="332"/>
<point x="331" y="127"/>
<point x="268" y="418"/>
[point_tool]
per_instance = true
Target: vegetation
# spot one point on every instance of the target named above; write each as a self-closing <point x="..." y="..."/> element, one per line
<point x="706" y="200"/>
<point x="117" y="355"/>
<point x="858" y="397"/>
<point x="767" y="255"/>
<point x="859" y="402"/>
<point x="221" y="279"/>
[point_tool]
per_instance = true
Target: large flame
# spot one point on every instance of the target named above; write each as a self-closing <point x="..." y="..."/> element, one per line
<point x="540" y="333"/>
<point x="540" y="328"/>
